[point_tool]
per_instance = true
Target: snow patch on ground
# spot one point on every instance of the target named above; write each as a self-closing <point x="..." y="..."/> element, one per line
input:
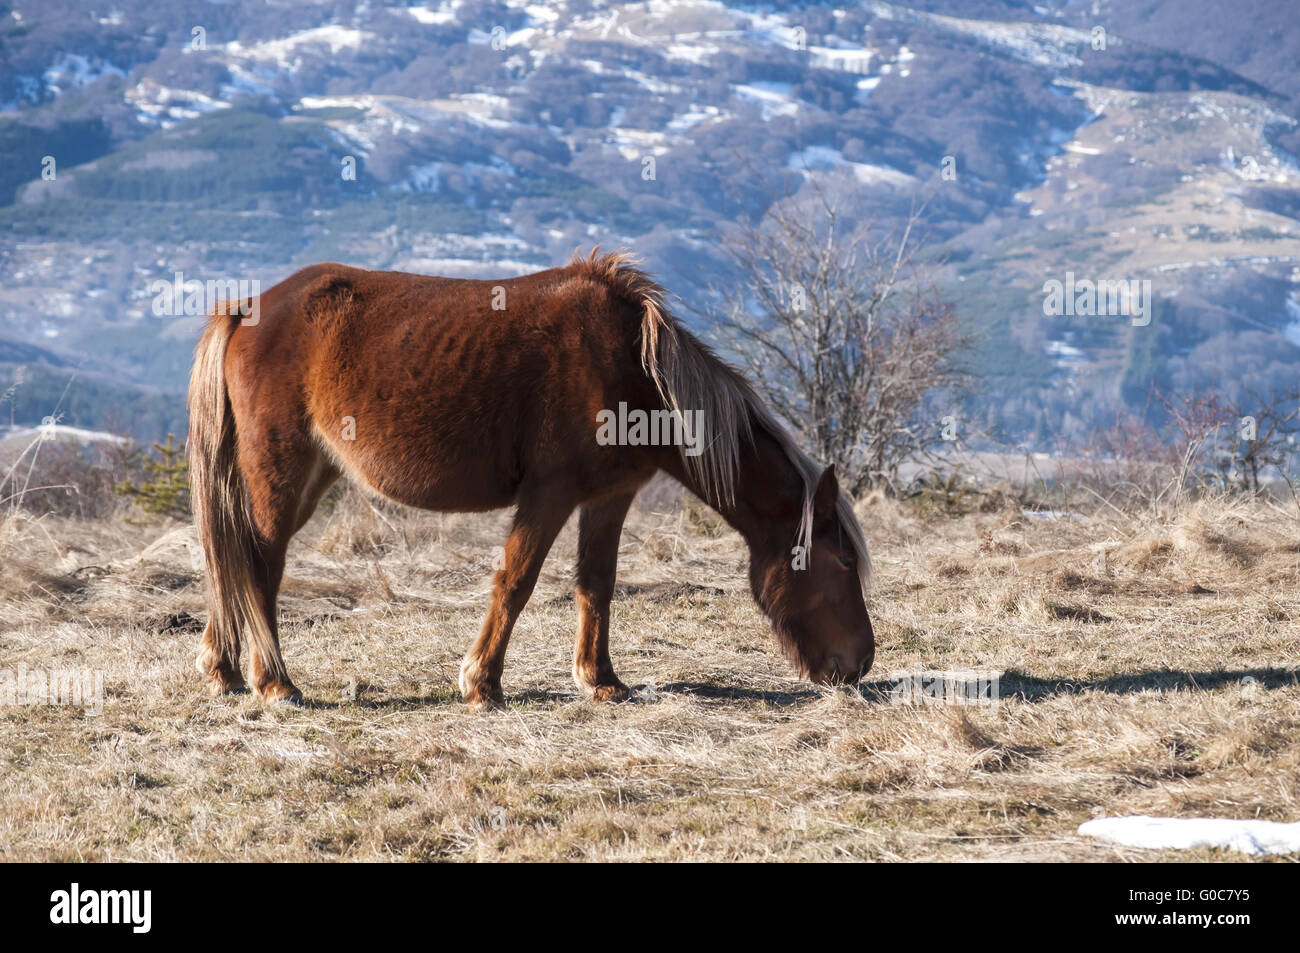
<point x="852" y="60"/>
<point x="1182" y="833"/>
<point x="865" y="88"/>
<point x="245" y="82"/>
<point x="73" y="71"/>
<point x="399" y="115"/>
<point x="691" y="54"/>
<point x="164" y="106"/>
<point x="1292" y="330"/>
<point x="773" y="99"/>
<point x="824" y="159"/>
<point x="1064" y="353"/>
<point x="634" y="144"/>
<point x="1044" y="44"/>
<point x="62" y="433"/>
<point x="692" y="118"/>
<point x="286" y="53"/>
<point x="445" y="13"/>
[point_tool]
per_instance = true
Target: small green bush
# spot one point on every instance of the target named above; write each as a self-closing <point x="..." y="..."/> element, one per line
<point x="165" y="489"/>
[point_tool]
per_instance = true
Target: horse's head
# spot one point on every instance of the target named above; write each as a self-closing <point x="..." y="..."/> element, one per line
<point x="814" y="597"/>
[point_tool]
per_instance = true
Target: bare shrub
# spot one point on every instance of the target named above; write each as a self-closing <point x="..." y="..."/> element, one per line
<point x="1203" y="444"/>
<point x="845" y="335"/>
<point x="69" y="479"/>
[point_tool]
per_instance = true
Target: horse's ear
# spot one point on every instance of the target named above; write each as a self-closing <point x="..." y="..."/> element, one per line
<point x="827" y="493"/>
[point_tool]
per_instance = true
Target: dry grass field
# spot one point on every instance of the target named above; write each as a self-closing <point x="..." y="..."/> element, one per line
<point x="1145" y="665"/>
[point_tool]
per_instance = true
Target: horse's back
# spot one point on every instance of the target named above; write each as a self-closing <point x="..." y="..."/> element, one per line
<point x="438" y="392"/>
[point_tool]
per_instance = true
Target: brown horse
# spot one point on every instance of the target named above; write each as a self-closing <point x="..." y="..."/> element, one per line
<point x="461" y="395"/>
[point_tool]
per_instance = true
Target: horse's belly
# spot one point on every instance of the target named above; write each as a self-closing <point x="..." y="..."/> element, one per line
<point x="430" y="474"/>
<point x="446" y="439"/>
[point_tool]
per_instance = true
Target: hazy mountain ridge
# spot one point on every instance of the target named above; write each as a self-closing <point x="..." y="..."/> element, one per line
<point x="1148" y="159"/>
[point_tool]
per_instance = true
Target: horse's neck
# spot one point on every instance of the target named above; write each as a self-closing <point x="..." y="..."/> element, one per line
<point x="767" y="500"/>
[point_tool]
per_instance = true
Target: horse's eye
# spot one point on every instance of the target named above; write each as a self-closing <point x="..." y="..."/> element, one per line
<point x="846" y="562"/>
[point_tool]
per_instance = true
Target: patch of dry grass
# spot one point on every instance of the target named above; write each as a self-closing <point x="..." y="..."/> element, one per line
<point x="1146" y="665"/>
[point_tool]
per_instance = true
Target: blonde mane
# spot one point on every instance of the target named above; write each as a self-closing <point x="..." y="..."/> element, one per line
<point x="688" y="374"/>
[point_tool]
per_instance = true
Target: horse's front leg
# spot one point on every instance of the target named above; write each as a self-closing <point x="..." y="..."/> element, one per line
<point x="538" y="520"/>
<point x="599" y="527"/>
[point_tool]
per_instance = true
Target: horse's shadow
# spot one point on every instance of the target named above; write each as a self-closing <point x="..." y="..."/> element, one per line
<point x="1010" y="684"/>
<point x="646" y="694"/>
<point x="368" y="700"/>
<point x="1030" y="688"/>
<point x="721" y="692"/>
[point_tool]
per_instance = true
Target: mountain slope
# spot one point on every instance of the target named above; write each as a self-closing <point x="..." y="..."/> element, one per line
<point x="1129" y="141"/>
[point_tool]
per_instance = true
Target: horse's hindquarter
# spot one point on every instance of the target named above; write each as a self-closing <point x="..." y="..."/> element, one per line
<point x="422" y="389"/>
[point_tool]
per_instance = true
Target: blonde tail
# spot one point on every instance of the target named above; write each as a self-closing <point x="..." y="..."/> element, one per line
<point x="221" y="513"/>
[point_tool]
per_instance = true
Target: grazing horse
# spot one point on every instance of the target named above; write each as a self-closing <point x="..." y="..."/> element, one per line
<point x="462" y="395"/>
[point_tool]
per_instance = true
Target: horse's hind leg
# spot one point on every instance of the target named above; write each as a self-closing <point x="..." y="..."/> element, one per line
<point x="270" y="680"/>
<point x="599" y="527"/>
<point x="220" y="650"/>
<point x="284" y="494"/>
<point x="218" y="659"/>
<point x="538" y="520"/>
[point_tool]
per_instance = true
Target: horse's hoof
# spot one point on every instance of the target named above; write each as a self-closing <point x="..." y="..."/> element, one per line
<point x="484" y="699"/>
<point x="617" y="692"/>
<point x="221" y="687"/>
<point x="281" y="694"/>
<point x="221" y="678"/>
<point x="479" y="692"/>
